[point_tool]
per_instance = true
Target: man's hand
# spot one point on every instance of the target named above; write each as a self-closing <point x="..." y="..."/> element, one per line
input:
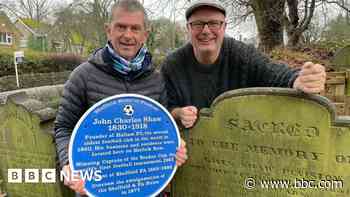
<point x="181" y="154"/>
<point x="76" y="184"/>
<point x="187" y="115"/>
<point x="311" y="79"/>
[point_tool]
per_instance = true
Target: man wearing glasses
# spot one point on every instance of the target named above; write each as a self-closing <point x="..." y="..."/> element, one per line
<point x="212" y="63"/>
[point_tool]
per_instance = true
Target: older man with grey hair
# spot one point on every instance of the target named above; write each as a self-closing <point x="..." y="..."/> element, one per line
<point x="124" y="65"/>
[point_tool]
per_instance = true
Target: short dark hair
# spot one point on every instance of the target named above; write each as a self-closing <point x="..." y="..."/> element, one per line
<point x="132" y="6"/>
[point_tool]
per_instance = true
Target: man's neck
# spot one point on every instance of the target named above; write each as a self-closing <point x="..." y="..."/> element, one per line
<point x="207" y="58"/>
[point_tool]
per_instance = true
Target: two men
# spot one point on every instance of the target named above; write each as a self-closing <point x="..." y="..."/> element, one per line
<point x="212" y="63"/>
<point x="195" y="74"/>
<point x="124" y="65"/>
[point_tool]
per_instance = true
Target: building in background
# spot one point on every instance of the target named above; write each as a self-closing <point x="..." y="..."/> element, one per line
<point x="32" y="36"/>
<point x="10" y="36"/>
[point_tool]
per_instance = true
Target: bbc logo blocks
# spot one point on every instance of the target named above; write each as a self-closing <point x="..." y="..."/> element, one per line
<point x="31" y="175"/>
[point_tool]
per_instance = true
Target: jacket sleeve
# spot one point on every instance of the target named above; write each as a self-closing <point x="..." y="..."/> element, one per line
<point x="73" y="105"/>
<point x="263" y="72"/>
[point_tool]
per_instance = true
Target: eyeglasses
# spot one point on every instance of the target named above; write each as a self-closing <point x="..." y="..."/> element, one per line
<point x="213" y="25"/>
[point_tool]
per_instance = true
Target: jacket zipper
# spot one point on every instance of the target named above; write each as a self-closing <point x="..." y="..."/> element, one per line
<point x="126" y="86"/>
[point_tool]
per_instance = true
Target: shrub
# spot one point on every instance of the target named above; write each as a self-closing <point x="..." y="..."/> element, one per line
<point x="296" y="58"/>
<point x="61" y="62"/>
<point x="6" y="56"/>
<point x="289" y="57"/>
<point x="37" y="62"/>
<point x="333" y="46"/>
<point x="157" y="60"/>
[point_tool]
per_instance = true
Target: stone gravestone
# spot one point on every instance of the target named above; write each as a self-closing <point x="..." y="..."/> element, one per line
<point x="25" y="143"/>
<point x="338" y="83"/>
<point x="342" y="58"/>
<point x="2" y="193"/>
<point x="251" y="136"/>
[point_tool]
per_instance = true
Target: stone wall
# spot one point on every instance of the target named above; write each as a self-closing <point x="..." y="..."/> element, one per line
<point x="49" y="95"/>
<point x="33" y="80"/>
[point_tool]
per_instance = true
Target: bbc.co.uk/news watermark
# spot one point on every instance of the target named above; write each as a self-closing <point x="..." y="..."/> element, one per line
<point x="252" y="183"/>
<point x="51" y="175"/>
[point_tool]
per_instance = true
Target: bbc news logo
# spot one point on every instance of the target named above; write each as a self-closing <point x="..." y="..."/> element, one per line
<point x="49" y="175"/>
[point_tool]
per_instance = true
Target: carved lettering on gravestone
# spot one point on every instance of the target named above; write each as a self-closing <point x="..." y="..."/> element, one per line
<point x="264" y="134"/>
<point x="24" y="145"/>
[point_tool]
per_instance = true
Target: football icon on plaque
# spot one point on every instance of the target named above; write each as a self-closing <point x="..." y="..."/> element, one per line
<point x="125" y="145"/>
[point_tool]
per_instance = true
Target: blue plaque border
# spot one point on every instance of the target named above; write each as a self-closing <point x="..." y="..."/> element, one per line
<point x="105" y="100"/>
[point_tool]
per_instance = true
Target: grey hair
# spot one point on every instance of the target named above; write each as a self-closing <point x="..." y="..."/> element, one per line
<point x="131" y="6"/>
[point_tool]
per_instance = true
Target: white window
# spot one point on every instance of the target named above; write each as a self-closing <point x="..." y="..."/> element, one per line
<point x="5" y="38"/>
<point x="2" y="37"/>
<point x="9" y="38"/>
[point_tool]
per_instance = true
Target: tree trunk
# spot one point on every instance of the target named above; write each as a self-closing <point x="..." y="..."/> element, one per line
<point x="269" y="20"/>
<point x="292" y="22"/>
<point x="294" y="38"/>
<point x="294" y="26"/>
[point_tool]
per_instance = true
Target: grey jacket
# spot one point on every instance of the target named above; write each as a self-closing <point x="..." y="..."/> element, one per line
<point x="91" y="82"/>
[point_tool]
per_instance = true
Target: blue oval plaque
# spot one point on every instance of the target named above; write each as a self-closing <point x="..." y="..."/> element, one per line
<point x="125" y="145"/>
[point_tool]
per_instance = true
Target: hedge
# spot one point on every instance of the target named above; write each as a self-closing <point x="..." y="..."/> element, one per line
<point x="38" y="62"/>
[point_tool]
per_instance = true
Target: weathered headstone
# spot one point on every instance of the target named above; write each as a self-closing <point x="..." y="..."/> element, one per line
<point x="341" y="62"/>
<point x="342" y="58"/>
<point x="25" y="143"/>
<point x="251" y="136"/>
<point x="2" y="192"/>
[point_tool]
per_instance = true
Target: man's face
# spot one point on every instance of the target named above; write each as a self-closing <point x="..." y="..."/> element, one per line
<point x="206" y="39"/>
<point x="127" y="32"/>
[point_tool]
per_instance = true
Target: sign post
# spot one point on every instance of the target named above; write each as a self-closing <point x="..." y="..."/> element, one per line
<point x="18" y="58"/>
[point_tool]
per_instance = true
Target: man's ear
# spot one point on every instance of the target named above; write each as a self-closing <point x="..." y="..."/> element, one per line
<point x="188" y="27"/>
<point x="147" y="32"/>
<point x="188" y="33"/>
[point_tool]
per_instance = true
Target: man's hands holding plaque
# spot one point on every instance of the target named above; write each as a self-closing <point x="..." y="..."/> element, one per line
<point x="77" y="184"/>
<point x="181" y="154"/>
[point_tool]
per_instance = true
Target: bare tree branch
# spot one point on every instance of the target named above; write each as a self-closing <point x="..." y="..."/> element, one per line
<point x="340" y="4"/>
<point x="293" y="12"/>
<point x="34" y="9"/>
<point x="306" y="23"/>
<point x="9" y="7"/>
<point x="306" y="12"/>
